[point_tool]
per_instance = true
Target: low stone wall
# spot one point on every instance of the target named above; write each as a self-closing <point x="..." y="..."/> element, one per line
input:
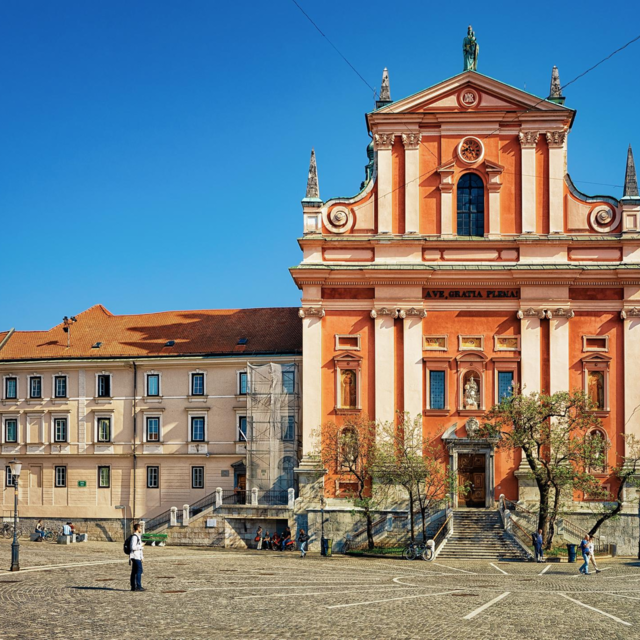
<point x="623" y="531"/>
<point x="103" y="530"/>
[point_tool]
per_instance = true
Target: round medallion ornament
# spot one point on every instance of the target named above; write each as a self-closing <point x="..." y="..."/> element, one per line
<point x="604" y="219"/>
<point x="468" y="98"/>
<point x="339" y="220"/>
<point x="470" y="150"/>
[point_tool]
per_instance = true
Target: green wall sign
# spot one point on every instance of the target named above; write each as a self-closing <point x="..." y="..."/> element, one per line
<point x="82" y="483"/>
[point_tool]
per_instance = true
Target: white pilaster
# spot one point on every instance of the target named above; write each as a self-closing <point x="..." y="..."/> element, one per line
<point x="530" y="354"/>
<point x="631" y="374"/>
<point x="556" y="140"/>
<point x="311" y="379"/>
<point x="383" y="143"/>
<point x="528" y="141"/>
<point x="411" y="143"/>
<point x="384" y="368"/>
<point x="559" y="354"/>
<point x="413" y="365"/>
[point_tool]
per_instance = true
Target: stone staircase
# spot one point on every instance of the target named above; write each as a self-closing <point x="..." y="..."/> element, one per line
<point x="478" y="535"/>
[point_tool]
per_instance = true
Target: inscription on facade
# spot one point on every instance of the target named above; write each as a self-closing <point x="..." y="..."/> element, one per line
<point x="480" y="294"/>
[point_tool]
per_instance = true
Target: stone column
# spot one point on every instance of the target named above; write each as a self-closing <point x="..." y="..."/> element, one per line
<point x="384" y="363"/>
<point x="413" y="361"/>
<point x="218" y="497"/>
<point x="254" y="496"/>
<point x="311" y="374"/>
<point x="383" y="142"/>
<point x="185" y="515"/>
<point x="559" y="350"/>
<point x="530" y="350"/>
<point x="528" y="141"/>
<point x="555" y="140"/>
<point x="631" y="318"/>
<point x="173" y="517"/>
<point x="411" y="143"/>
<point x="446" y="172"/>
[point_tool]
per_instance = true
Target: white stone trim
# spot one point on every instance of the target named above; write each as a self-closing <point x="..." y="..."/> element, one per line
<point x="60" y="374"/>
<point x="97" y="416"/>
<point x="152" y="414"/>
<point x="103" y="373"/>
<point x="339" y="336"/>
<point x="204" y="384"/>
<point x="497" y="347"/>
<point x="473" y="336"/>
<point x="585" y="348"/>
<point x="146" y="387"/>
<point x="10" y="416"/>
<point x="4" y="387"/>
<point x="194" y="413"/>
<point x="59" y="415"/>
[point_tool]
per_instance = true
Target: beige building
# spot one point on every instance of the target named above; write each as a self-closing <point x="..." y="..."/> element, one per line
<point x="145" y="412"/>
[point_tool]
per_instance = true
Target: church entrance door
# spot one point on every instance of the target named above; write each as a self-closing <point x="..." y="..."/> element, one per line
<point x="471" y="474"/>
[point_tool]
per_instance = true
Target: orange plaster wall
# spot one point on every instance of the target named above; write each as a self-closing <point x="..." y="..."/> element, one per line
<point x="398" y="180"/>
<point x="430" y="158"/>
<point x="511" y="192"/>
<point x="399" y="370"/>
<point x="598" y="323"/>
<point x="542" y="186"/>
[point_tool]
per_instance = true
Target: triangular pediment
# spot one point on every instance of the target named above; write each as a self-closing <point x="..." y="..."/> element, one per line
<point x="480" y="93"/>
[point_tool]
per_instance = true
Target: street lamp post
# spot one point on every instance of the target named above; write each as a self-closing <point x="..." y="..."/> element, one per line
<point x="16" y="467"/>
<point x="322" y="549"/>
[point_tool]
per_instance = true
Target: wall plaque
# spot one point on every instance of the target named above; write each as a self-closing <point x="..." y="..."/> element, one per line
<point x="471" y="294"/>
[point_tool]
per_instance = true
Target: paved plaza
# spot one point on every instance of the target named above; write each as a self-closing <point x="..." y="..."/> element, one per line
<point x="82" y="591"/>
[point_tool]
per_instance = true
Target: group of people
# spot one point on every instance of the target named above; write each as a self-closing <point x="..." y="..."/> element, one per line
<point x="281" y="542"/>
<point x="586" y="549"/>
<point x="67" y="530"/>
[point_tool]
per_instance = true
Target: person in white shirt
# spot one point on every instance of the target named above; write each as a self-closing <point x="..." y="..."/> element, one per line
<point x="592" y="557"/>
<point x="136" y="556"/>
<point x="66" y="529"/>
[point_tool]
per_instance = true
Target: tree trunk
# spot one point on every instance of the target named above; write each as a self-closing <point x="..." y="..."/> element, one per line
<point x="423" y="513"/>
<point x="543" y="514"/>
<point x="614" y="512"/>
<point x="411" y="515"/>
<point x="370" y="542"/>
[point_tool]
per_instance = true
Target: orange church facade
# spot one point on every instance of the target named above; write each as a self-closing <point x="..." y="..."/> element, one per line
<point x="468" y="264"/>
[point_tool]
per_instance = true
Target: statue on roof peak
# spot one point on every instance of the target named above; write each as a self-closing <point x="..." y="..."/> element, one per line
<point x="470" y="49"/>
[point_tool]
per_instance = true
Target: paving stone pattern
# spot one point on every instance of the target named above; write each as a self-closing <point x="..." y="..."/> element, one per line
<point x="82" y="591"/>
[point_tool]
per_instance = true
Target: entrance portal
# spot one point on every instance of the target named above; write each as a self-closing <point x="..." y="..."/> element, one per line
<point x="471" y="475"/>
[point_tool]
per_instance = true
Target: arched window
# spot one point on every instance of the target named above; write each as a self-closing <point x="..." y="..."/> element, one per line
<point x="470" y="205"/>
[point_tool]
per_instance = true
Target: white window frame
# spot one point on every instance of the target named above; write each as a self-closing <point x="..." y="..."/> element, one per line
<point x="157" y="467"/>
<point x="55" y="476"/>
<point x="10" y="416"/>
<point x="496" y="347"/>
<point x="29" y="379"/>
<point x="97" y="418"/>
<point x="586" y="349"/>
<point x="146" y="416"/>
<point x="98" y="467"/>
<point x="239" y="375"/>
<point x="602" y="367"/>
<point x="437" y="366"/>
<point x="204" y="476"/>
<point x="204" y="384"/>
<point x="7" y="474"/>
<point x="53" y="386"/>
<point x="340" y="336"/>
<point x="59" y="416"/>
<point x="4" y="387"/>
<point x="105" y="373"/>
<point x="197" y="414"/>
<point x="146" y="383"/>
<point x="238" y="417"/>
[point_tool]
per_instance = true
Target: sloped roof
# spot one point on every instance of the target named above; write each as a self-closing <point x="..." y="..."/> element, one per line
<point x="205" y="332"/>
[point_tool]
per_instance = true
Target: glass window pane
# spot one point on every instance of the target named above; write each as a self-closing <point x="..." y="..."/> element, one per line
<point x="197" y="384"/>
<point x="153" y="477"/>
<point x="505" y="384"/>
<point x="104" y="429"/>
<point x="61" y="386"/>
<point x="288" y="427"/>
<point x="153" y="429"/>
<point x="104" y="477"/>
<point x="436" y="390"/>
<point x="197" y="477"/>
<point x="11" y="430"/>
<point x="61" y="476"/>
<point x="36" y="387"/>
<point x="11" y="388"/>
<point x="197" y="429"/>
<point x="288" y="381"/>
<point x="60" y="430"/>
<point x="242" y="428"/>
<point x="243" y="383"/>
<point x="153" y="385"/>
<point x="104" y="386"/>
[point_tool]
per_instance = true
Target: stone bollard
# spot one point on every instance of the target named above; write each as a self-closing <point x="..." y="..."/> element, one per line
<point x="254" y="496"/>
<point x="218" y="497"/>
<point x="173" y="517"/>
<point x="143" y="526"/>
<point x="185" y="515"/>
<point x="291" y="498"/>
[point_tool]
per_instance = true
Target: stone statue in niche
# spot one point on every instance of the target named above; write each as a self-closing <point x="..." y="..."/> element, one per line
<point x="596" y="389"/>
<point x="348" y="389"/>
<point x="471" y="394"/>
<point x="473" y="427"/>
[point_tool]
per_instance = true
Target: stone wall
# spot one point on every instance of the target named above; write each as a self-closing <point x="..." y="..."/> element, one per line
<point x="623" y="531"/>
<point x="100" y="529"/>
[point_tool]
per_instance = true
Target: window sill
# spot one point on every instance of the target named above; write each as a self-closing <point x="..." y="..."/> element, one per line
<point x="601" y="413"/>
<point x="59" y="400"/>
<point x="341" y="411"/>
<point x="436" y="412"/>
<point x="103" y="400"/>
<point x="149" y="399"/>
<point x="470" y="412"/>
<point x="197" y="398"/>
<point x="6" y="401"/>
<point x="35" y="401"/>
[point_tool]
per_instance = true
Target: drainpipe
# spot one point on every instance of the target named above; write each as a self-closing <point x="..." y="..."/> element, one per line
<point x="135" y="432"/>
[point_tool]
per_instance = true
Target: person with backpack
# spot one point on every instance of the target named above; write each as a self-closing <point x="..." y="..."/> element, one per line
<point x="303" y="539"/>
<point x="134" y="548"/>
<point x="584" y="550"/>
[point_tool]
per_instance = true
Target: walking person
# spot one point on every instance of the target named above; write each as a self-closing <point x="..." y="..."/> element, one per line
<point x="537" y="543"/>
<point x="136" y="556"/>
<point x="584" y="549"/>
<point x="303" y="539"/>
<point x="592" y="556"/>
<point x="259" y="538"/>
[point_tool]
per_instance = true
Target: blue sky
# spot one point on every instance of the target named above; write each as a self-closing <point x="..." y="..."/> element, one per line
<point x="153" y="154"/>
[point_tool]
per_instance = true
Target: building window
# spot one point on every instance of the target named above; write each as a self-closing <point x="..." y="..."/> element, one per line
<point x="60" y="386"/>
<point x="288" y="381"/>
<point x="505" y="384"/>
<point x="287" y="465"/>
<point x="197" y="384"/>
<point x="11" y="388"/>
<point x="60" y="474"/>
<point x="60" y="430"/>
<point x="11" y="430"/>
<point x="11" y="481"/>
<point x="470" y="205"/>
<point x="153" y="384"/>
<point x="242" y="428"/>
<point x="153" y="477"/>
<point x="153" y="429"/>
<point x="288" y="427"/>
<point x="104" y="477"/>
<point x="104" y="385"/>
<point x="197" y="429"/>
<point x="437" y="390"/>
<point x="35" y="387"/>
<point x="197" y="477"/>
<point x="104" y="429"/>
<point x="242" y="383"/>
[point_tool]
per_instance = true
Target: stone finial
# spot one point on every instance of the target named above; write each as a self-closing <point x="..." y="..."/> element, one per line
<point x="630" y="179"/>
<point x="555" y="91"/>
<point x="313" y="190"/>
<point x="385" y="91"/>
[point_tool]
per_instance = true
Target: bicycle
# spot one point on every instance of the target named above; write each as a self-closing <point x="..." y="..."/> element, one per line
<point x="7" y="531"/>
<point x="414" y="550"/>
<point x="51" y="535"/>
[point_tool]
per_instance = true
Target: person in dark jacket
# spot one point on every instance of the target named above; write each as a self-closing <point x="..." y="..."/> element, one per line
<point x="537" y="543"/>
<point x="303" y="539"/>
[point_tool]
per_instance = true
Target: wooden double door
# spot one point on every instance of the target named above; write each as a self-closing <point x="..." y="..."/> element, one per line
<point x="471" y="479"/>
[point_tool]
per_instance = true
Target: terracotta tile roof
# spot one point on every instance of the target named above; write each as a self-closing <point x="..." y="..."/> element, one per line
<point x="207" y="332"/>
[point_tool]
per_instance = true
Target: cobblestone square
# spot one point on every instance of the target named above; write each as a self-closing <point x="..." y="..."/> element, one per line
<point x="82" y="591"/>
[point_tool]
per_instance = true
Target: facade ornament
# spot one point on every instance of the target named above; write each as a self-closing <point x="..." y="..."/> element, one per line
<point x="383" y="140"/>
<point x="313" y="190"/>
<point x="520" y="314"/>
<point x="630" y="179"/>
<point x="402" y="314"/>
<point x="563" y="313"/>
<point x="556" y="138"/>
<point x="630" y="313"/>
<point x="528" y="138"/>
<point x="385" y="91"/>
<point x="309" y="312"/>
<point x="418" y="313"/>
<point x="603" y="218"/>
<point x="385" y="311"/>
<point x="471" y="394"/>
<point x="473" y="427"/>
<point x="411" y="140"/>
<point x="530" y="313"/>
<point x="555" y="91"/>
<point x="373" y="314"/>
<point x="470" y="50"/>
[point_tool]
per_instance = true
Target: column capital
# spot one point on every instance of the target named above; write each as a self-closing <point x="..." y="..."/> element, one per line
<point x="531" y="313"/>
<point x="561" y="312"/>
<point x="384" y="311"/>
<point x="634" y="312"/>
<point x="556" y="138"/>
<point x="307" y="312"/>
<point x="528" y="139"/>
<point x="413" y="312"/>
<point x="383" y="141"/>
<point x="411" y="140"/>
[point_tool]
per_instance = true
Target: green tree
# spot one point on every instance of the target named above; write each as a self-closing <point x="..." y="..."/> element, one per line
<point x="551" y="431"/>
